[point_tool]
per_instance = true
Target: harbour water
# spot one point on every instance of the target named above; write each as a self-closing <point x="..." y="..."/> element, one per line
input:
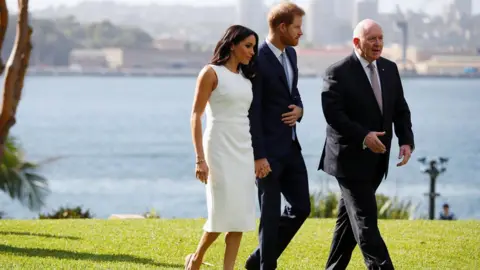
<point x="124" y="144"/>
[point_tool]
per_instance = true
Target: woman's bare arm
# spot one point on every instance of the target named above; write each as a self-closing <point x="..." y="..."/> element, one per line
<point x="206" y="83"/>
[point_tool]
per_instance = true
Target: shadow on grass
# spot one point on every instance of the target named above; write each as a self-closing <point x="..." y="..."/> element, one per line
<point x="64" y="254"/>
<point x="40" y="235"/>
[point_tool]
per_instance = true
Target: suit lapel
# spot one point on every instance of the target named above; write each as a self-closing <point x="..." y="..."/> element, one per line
<point x="276" y="65"/>
<point x="365" y="83"/>
<point x="295" y="71"/>
<point x="385" y="93"/>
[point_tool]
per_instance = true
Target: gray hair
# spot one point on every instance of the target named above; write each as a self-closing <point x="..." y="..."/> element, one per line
<point x="359" y="30"/>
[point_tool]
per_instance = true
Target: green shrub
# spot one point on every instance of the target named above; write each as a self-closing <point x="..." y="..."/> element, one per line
<point x="67" y="213"/>
<point x="325" y="205"/>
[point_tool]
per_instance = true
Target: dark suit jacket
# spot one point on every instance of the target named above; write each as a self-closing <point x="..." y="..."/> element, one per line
<point x="271" y="138"/>
<point x="351" y="111"/>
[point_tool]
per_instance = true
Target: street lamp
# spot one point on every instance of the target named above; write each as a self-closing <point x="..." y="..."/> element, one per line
<point x="433" y="167"/>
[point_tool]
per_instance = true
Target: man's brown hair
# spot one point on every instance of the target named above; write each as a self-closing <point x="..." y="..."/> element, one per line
<point x="284" y="13"/>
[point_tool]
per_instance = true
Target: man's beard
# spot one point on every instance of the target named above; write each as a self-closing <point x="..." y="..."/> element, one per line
<point x="288" y="41"/>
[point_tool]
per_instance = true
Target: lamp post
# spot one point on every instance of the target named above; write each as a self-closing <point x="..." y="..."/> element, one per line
<point x="433" y="167"/>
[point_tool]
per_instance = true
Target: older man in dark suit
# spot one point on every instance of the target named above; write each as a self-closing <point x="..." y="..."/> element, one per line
<point x="361" y="98"/>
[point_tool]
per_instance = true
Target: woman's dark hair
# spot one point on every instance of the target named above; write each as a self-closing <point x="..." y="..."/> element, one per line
<point x="234" y="35"/>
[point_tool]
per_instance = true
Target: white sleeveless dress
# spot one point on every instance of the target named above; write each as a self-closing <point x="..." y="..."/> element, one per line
<point x="230" y="189"/>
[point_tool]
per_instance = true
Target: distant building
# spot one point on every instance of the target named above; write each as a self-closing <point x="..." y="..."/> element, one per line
<point x="457" y="11"/>
<point x="365" y="9"/>
<point x="315" y="61"/>
<point x="320" y="26"/>
<point x="329" y="22"/>
<point x="463" y="7"/>
<point x="118" y="58"/>
<point x="88" y="58"/>
<point x="252" y="14"/>
<point x="394" y="53"/>
<point x="170" y="44"/>
<point x="344" y="10"/>
<point x="449" y="64"/>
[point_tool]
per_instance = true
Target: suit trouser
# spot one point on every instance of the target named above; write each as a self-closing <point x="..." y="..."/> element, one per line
<point x="357" y="224"/>
<point x="276" y="230"/>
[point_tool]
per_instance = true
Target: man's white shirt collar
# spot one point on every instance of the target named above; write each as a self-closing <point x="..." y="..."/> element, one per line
<point x="363" y="61"/>
<point x="274" y="49"/>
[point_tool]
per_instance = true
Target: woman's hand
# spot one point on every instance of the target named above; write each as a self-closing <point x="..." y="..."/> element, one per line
<point x="201" y="171"/>
<point x="262" y="168"/>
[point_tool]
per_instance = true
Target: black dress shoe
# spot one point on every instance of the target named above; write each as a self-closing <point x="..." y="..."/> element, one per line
<point x="252" y="264"/>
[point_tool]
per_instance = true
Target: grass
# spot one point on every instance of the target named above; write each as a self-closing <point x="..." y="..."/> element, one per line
<point x="162" y="244"/>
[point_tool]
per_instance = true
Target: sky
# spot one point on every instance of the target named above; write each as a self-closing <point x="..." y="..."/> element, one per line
<point x="433" y="6"/>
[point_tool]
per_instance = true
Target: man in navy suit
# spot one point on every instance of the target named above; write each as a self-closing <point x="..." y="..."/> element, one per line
<point x="279" y="165"/>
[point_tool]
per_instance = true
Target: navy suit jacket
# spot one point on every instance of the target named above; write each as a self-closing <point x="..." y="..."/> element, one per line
<point x="271" y="137"/>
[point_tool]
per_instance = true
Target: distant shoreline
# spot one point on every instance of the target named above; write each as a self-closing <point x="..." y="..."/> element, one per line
<point x="34" y="72"/>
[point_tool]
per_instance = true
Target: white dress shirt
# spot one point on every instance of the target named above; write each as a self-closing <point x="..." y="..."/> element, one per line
<point x="277" y="53"/>
<point x="365" y="64"/>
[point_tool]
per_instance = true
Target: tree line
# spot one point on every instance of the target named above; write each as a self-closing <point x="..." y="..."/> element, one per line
<point x="53" y="40"/>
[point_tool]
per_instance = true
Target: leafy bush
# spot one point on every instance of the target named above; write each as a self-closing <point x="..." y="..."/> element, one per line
<point x="394" y="208"/>
<point x="151" y="214"/>
<point x="67" y="213"/>
<point x="326" y="206"/>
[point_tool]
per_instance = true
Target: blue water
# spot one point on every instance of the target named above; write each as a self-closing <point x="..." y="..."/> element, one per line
<point x="125" y="145"/>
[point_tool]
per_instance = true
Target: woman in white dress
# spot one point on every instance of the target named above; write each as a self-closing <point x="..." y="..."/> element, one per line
<point x="226" y="165"/>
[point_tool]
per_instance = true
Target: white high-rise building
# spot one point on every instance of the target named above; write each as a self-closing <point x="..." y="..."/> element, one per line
<point x="321" y="21"/>
<point x="252" y="14"/>
<point x="455" y="10"/>
<point x="464" y="7"/>
<point x="365" y="9"/>
<point x="344" y="10"/>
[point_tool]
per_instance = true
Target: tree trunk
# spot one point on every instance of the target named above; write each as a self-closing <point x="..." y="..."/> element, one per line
<point x="16" y="67"/>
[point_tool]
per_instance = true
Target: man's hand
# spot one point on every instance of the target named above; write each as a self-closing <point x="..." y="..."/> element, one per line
<point x="291" y="118"/>
<point x="405" y="152"/>
<point x="374" y="144"/>
<point x="262" y="168"/>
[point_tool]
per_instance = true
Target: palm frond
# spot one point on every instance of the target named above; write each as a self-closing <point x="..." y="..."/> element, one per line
<point x="36" y="188"/>
<point x="19" y="178"/>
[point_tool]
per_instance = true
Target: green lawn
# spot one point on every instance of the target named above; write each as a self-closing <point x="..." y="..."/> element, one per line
<point x="162" y="244"/>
